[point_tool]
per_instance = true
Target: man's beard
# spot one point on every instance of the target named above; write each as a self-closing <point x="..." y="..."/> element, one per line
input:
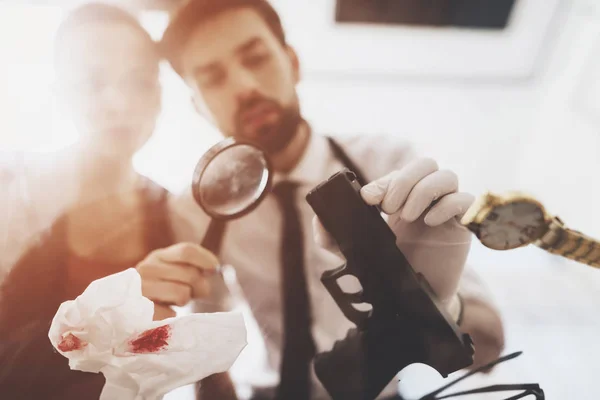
<point x="271" y="137"/>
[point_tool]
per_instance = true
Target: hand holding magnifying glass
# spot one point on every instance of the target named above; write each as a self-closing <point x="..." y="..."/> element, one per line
<point x="230" y="180"/>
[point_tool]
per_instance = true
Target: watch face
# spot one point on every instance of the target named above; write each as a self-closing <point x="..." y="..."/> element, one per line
<point x="512" y="225"/>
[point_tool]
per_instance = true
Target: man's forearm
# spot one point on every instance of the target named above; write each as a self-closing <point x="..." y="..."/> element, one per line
<point x="481" y="319"/>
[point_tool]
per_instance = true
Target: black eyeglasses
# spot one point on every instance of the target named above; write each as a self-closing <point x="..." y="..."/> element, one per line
<point x="526" y="389"/>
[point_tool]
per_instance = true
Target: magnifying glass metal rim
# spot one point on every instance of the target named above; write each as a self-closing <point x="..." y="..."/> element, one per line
<point x="208" y="157"/>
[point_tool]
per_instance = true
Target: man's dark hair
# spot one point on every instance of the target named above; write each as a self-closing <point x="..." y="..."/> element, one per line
<point x="93" y="13"/>
<point x="195" y="12"/>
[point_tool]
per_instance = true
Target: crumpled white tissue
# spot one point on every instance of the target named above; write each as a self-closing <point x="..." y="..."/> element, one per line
<point x="108" y="329"/>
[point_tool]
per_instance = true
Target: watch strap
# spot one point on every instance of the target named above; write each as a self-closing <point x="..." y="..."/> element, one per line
<point x="570" y="244"/>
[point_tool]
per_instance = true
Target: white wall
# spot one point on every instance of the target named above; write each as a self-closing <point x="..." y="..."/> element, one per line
<point x="468" y="128"/>
<point x="417" y="51"/>
<point x="560" y="158"/>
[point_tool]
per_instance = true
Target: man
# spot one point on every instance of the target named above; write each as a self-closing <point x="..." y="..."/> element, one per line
<point x="242" y="73"/>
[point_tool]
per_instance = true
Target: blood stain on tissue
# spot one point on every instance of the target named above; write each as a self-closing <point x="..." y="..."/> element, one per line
<point x="70" y="343"/>
<point x="152" y="340"/>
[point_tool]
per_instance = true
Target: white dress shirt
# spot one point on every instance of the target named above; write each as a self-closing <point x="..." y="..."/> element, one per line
<point x="251" y="244"/>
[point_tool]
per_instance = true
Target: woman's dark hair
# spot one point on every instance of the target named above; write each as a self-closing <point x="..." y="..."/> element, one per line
<point x="93" y="13"/>
<point x="195" y="12"/>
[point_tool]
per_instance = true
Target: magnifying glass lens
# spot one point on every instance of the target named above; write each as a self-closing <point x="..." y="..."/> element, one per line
<point x="231" y="179"/>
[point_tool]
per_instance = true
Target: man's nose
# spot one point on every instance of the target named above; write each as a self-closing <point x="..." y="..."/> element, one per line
<point x="245" y="85"/>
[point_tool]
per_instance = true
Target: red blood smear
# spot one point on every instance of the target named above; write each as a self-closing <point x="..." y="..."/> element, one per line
<point x="152" y="340"/>
<point x="70" y="343"/>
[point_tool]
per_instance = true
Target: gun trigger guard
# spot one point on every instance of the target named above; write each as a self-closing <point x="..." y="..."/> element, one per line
<point x="345" y="300"/>
<point x="355" y="298"/>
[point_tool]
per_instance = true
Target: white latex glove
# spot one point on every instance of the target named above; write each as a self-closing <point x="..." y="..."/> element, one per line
<point x="430" y="237"/>
<point x="109" y="329"/>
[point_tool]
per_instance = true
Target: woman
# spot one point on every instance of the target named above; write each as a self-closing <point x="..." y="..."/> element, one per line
<point x="107" y="69"/>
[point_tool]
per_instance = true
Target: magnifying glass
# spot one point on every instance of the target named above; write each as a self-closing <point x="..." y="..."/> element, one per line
<point x="230" y="180"/>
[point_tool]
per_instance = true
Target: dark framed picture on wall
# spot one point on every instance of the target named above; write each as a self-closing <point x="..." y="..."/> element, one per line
<point x="480" y="14"/>
<point x="482" y="40"/>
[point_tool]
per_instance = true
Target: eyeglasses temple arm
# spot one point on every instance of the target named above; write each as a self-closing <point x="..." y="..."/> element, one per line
<point x="431" y="396"/>
<point x="529" y="388"/>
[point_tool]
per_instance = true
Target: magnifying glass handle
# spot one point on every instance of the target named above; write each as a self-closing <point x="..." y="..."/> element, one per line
<point x="212" y="238"/>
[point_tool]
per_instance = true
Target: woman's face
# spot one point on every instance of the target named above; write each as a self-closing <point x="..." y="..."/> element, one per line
<point x="108" y="75"/>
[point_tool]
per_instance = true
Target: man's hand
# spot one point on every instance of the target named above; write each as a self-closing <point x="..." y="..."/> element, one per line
<point x="412" y="191"/>
<point x="175" y="275"/>
<point x="425" y="206"/>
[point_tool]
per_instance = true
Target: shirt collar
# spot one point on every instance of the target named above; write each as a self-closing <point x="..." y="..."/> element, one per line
<point x="312" y="164"/>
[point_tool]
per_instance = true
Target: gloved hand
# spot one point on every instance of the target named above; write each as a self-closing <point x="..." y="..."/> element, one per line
<point x="425" y="208"/>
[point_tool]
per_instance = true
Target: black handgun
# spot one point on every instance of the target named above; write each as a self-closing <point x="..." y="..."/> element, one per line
<point x="406" y="323"/>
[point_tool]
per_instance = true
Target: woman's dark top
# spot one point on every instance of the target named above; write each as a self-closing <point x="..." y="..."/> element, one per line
<point x="45" y="276"/>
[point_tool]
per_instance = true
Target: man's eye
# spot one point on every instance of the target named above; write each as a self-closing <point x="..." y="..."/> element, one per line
<point x="256" y="60"/>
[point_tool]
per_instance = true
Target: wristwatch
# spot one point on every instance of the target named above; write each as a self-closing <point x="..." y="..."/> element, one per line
<point x="516" y="220"/>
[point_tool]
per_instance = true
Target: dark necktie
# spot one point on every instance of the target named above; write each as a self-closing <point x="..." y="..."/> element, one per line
<point x="298" y="345"/>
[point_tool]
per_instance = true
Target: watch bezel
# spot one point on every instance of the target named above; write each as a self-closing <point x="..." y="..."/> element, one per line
<point x="486" y="203"/>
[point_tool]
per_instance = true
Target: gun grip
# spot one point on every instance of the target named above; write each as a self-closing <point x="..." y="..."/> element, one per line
<point x="359" y="366"/>
<point x="345" y="300"/>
